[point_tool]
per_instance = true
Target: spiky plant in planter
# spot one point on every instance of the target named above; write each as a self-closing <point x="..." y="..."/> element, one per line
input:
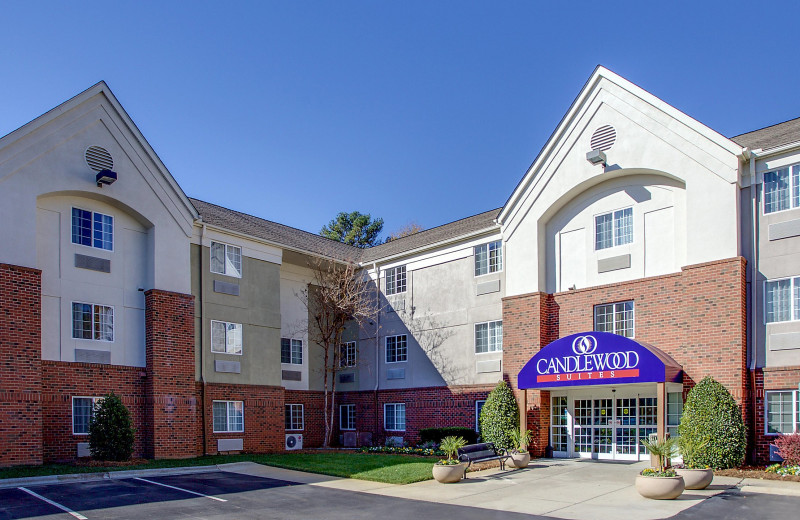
<point x="661" y="482"/>
<point x="450" y="446"/>
<point x="499" y="417"/>
<point x="111" y="432"/>
<point x="450" y="470"/>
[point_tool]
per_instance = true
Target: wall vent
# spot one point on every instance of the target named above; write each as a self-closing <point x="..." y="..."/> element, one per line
<point x="603" y="138"/>
<point x="98" y="159"/>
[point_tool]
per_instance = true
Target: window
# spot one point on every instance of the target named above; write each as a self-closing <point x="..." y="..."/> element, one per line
<point x="613" y="229"/>
<point x="228" y="416"/>
<point x="347" y="417"/>
<point x="293" y="416"/>
<point x="782" y="190"/>
<point x="90" y="321"/>
<point x="478" y="408"/>
<point x="82" y="413"/>
<point x="488" y="258"/>
<point x="674" y="412"/>
<point x="616" y="318"/>
<point x="292" y="351"/>
<point x="92" y="229"/>
<point x="226" y="338"/>
<point x="394" y="416"/>
<point x="396" y="280"/>
<point x="489" y="337"/>
<point x="347" y="355"/>
<point x="226" y="259"/>
<point x="782" y="300"/>
<point x="396" y="349"/>
<point x="783" y="412"/>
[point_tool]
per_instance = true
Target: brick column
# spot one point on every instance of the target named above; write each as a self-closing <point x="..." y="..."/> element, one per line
<point x="171" y="409"/>
<point x="20" y="365"/>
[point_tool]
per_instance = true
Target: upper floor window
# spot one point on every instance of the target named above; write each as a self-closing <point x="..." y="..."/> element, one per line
<point x="292" y="351"/>
<point x="92" y="229"/>
<point x="783" y="411"/>
<point x="226" y="259"/>
<point x="347" y="355"/>
<point x="396" y="280"/>
<point x="616" y="318"/>
<point x="90" y="321"/>
<point x="228" y="416"/>
<point x="782" y="300"/>
<point x="489" y="258"/>
<point x="396" y="349"/>
<point x="293" y="416"/>
<point x="82" y="413"/>
<point x="613" y="229"/>
<point x="226" y="338"/>
<point x="782" y="189"/>
<point x="489" y="337"/>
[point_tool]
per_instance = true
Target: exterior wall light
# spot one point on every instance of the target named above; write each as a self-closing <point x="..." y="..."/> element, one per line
<point x="105" y="177"/>
<point x="596" y="157"/>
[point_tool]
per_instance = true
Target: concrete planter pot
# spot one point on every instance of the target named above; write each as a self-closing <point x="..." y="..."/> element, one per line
<point x="520" y="460"/>
<point x="448" y="474"/>
<point x="696" y="478"/>
<point x="660" y="488"/>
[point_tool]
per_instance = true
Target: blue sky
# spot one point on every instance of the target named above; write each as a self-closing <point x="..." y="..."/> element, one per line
<point x="416" y="110"/>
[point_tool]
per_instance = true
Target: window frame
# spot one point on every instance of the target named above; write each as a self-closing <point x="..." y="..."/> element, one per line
<point x="395" y="272"/>
<point x="344" y="354"/>
<point x="794" y="306"/>
<point x="289" y="407"/>
<point x="478" y="413"/>
<point x="794" y="185"/>
<point x="95" y="400"/>
<point x="613" y="228"/>
<point x="91" y="229"/>
<point x="352" y="410"/>
<point x="795" y="411"/>
<point x="614" y="304"/>
<point x="93" y="306"/>
<point x="292" y="346"/>
<point x="394" y="415"/>
<point x="405" y="349"/>
<point x="226" y="323"/>
<point x="488" y="336"/>
<point x="227" y="416"/>
<point x="225" y="264"/>
<point x="488" y="258"/>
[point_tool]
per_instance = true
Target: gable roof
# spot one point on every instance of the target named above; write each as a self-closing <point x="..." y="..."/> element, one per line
<point x="771" y="136"/>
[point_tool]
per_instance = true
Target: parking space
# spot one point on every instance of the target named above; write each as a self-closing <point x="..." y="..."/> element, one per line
<point x="16" y="503"/>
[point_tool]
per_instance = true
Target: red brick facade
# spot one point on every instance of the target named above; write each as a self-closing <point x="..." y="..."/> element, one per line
<point x="770" y="379"/>
<point x="263" y="416"/>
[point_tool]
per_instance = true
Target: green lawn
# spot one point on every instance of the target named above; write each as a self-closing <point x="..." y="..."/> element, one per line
<point x="391" y="469"/>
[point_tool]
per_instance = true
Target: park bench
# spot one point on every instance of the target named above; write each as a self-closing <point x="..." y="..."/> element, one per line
<point x="482" y="452"/>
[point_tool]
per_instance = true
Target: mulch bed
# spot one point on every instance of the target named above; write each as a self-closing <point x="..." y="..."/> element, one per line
<point x="755" y="472"/>
<point x="91" y="463"/>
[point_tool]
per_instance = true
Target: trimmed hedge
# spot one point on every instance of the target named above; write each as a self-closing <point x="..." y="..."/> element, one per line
<point x="499" y="416"/>
<point x="711" y="432"/>
<point x="111" y="432"/>
<point x="437" y="434"/>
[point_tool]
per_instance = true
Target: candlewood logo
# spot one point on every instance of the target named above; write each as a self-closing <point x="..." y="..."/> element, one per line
<point x="586" y="360"/>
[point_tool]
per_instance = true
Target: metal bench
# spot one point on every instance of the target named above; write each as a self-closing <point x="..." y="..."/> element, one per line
<point x="481" y="453"/>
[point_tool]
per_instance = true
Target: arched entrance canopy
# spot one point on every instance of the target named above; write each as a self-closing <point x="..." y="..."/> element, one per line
<point x="597" y="358"/>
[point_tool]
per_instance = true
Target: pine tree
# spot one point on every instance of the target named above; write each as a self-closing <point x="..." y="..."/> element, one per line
<point x="111" y="432"/>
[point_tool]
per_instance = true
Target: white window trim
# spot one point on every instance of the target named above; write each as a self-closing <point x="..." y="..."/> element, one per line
<point x="386" y="428"/>
<point x="633" y="317"/>
<point x="211" y="339"/>
<point x="227" y="245"/>
<point x="302" y="353"/>
<point x="302" y="417"/>
<point x="613" y="245"/>
<point x="386" y="349"/>
<point x="502" y="256"/>
<point x="477" y="416"/>
<point x="475" y="338"/>
<point x="113" y="327"/>
<point x="342" y="406"/>
<point x="355" y="353"/>
<point x="764" y="190"/>
<point x="113" y="229"/>
<point x="795" y="419"/>
<point x="227" y="416"/>
<point x="791" y="297"/>
<point x="95" y="400"/>
<point x="386" y="280"/>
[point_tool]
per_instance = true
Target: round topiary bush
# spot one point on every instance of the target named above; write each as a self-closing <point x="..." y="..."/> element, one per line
<point x="499" y="416"/>
<point x="711" y="432"/>
<point x="111" y="432"/>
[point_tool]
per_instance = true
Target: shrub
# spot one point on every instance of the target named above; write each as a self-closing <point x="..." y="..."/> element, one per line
<point x="435" y="435"/>
<point x="789" y="448"/>
<point x="111" y="432"/>
<point x="499" y="416"/>
<point x="450" y="446"/>
<point x="711" y="432"/>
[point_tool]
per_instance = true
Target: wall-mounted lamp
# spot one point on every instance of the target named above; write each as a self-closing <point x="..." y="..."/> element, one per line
<point x="596" y="157"/>
<point x="105" y="177"/>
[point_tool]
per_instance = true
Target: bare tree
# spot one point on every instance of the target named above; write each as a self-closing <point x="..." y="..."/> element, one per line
<point x="406" y="230"/>
<point x="341" y="296"/>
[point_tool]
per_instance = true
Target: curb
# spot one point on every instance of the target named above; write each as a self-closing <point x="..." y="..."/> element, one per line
<point x="105" y="475"/>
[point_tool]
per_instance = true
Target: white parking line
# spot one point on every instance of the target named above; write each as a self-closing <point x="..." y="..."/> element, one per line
<point x="56" y="504"/>
<point x="181" y="489"/>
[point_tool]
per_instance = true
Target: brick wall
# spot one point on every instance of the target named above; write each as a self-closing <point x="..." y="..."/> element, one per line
<point x="20" y="365"/>
<point x="263" y="416"/>
<point x="313" y="420"/>
<point x="778" y="378"/>
<point x="171" y="411"/>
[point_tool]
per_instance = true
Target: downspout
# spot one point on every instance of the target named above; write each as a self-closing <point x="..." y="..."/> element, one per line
<point x="377" y="346"/>
<point x="754" y="199"/>
<point x="202" y="335"/>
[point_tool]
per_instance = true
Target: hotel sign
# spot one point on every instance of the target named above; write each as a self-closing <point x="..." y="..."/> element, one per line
<point x="597" y="358"/>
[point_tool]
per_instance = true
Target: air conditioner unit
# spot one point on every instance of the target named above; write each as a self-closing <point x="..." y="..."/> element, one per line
<point x="294" y="441"/>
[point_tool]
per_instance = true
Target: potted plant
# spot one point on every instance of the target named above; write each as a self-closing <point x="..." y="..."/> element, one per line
<point x="519" y="453"/>
<point x="450" y="470"/>
<point x="696" y="475"/>
<point x="661" y="482"/>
